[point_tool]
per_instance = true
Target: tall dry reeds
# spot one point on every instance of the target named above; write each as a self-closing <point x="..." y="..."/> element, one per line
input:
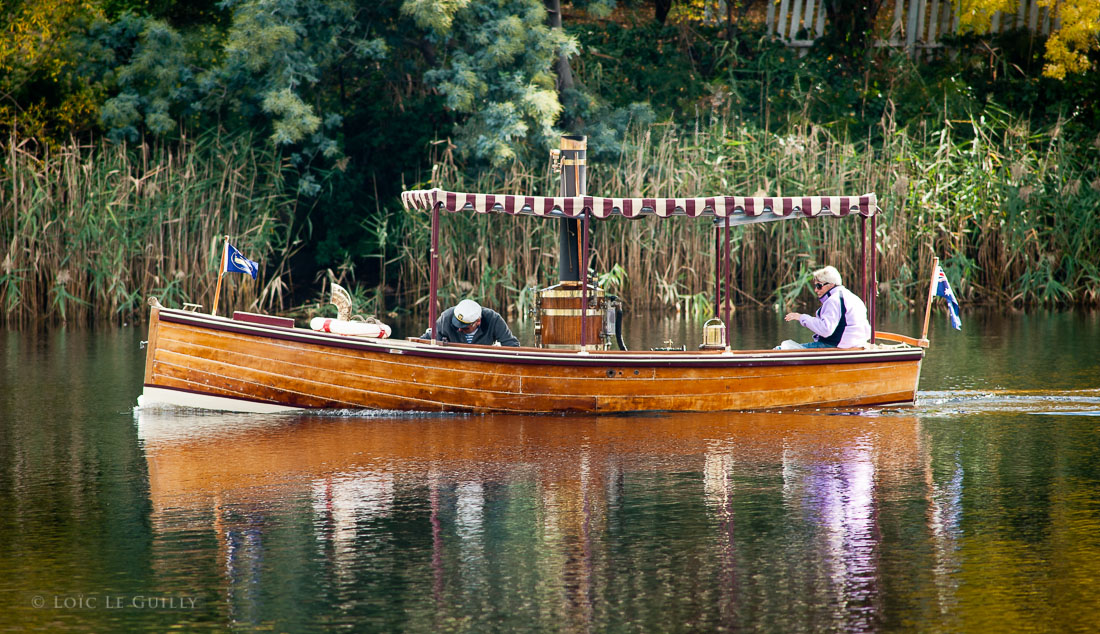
<point x="1011" y="212"/>
<point x="92" y="230"/>
<point x="1014" y="211"/>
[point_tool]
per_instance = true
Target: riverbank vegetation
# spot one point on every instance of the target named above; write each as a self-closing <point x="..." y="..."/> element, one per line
<point x="141" y="134"/>
<point x="92" y="230"/>
<point x="1011" y="211"/>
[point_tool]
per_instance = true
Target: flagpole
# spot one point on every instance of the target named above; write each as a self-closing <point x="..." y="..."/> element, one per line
<point x="931" y="295"/>
<point x="221" y="272"/>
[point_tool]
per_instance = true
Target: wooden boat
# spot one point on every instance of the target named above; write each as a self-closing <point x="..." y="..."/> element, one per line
<point x="259" y="363"/>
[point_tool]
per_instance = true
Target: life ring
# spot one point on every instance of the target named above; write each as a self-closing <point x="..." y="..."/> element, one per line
<point x="376" y="330"/>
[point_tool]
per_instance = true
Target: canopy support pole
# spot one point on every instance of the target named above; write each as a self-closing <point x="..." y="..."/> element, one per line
<point x="729" y="275"/>
<point x="874" y="277"/>
<point x="584" y="276"/>
<point x="717" y="270"/>
<point x="863" y="256"/>
<point x="433" y="271"/>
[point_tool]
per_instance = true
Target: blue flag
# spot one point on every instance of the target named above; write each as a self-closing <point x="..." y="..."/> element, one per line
<point x="237" y="263"/>
<point x="943" y="289"/>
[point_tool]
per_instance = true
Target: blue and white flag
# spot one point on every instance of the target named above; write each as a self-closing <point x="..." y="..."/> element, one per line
<point x="237" y="263"/>
<point x="943" y="289"/>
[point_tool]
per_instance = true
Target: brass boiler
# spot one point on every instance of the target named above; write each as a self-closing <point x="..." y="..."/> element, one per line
<point x="714" y="335"/>
<point x="557" y="318"/>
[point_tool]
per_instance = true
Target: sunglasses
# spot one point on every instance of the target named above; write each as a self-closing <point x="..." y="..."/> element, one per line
<point x="470" y="327"/>
<point x="819" y="285"/>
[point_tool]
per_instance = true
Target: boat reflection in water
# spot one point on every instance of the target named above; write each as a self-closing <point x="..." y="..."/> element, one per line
<point x="700" y="521"/>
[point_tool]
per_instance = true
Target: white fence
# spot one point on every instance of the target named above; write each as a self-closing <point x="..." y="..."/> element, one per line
<point x="916" y="24"/>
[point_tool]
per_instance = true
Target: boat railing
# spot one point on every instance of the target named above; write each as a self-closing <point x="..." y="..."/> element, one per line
<point x="912" y="341"/>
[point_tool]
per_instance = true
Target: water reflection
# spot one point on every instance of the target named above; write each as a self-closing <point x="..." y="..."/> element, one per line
<point x="977" y="510"/>
<point x="725" y="520"/>
<point x="945" y="527"/>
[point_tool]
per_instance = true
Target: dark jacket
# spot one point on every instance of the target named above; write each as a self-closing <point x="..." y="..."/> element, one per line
<point x="492" y="329"/>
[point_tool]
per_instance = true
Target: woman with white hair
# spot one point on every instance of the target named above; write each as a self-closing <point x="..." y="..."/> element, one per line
<point x="841" y="321"/>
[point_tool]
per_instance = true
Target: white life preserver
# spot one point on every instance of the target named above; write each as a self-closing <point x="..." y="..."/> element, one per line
<point x="350" y="328"/>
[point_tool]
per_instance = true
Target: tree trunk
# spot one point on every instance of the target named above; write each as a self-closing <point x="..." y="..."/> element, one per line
<point x="562" y="67"/>
<point x="661" y="9"/>
<point x="729" y="22"/>
<point x="850" y="24"/>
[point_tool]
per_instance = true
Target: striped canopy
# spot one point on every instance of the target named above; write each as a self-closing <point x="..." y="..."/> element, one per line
<point x="733" y="209"/>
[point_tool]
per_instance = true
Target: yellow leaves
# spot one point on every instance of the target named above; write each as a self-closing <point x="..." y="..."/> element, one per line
<point x="79" y="109"/>
<point x="37" y="31"/>
<point x="34" y="49"/>
<point x="977" y="15"/>
<point x="1068" y="47"/>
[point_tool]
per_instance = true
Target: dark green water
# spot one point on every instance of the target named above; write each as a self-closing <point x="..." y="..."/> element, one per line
<point x="976" y="510"/>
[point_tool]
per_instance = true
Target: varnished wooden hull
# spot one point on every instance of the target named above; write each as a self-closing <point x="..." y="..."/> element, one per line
<point x="196" y="360"/>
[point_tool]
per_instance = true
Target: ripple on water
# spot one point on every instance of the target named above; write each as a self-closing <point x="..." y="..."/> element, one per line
<point x="1049" y="402"/>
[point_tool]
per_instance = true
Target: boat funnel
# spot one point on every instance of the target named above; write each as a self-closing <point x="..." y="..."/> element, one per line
<point x="571" y="161"/>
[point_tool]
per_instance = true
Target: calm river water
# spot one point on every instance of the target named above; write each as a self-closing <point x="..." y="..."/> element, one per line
<point x="976" y="510"/>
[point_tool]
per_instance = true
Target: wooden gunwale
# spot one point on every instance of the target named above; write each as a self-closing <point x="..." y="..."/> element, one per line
<point x="539" y="356"/>
<point x="216" y="358"/>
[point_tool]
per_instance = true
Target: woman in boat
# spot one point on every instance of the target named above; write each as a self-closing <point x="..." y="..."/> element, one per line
<point x="841" y="322"/>
<point x="468" y="322"/>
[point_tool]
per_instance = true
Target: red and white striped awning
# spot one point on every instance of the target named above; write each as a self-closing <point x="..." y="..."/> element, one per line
<point x="736" y="209"/>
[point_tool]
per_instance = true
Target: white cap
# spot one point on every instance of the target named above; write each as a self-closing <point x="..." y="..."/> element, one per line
<point x="467" y="312"/>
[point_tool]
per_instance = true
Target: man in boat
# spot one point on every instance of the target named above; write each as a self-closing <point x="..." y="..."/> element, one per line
<point x="468" y="322"/>
<point x="841" y="321"/>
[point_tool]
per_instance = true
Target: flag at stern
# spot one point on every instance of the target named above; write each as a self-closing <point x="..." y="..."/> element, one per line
<point x="235" y="262"/>
<point x="943" y="289"/>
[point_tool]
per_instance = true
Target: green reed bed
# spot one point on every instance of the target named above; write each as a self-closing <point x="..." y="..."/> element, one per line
<point x="1012" y="213"/>
<point x="91" y="231"/>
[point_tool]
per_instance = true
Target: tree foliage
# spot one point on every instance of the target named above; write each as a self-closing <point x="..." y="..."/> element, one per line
<point x="977" y="15"/>
<point x="289" y="65"/>
<point x="1069" y="43"/>
<point x="266" y="69"/>
<point x="495" y="72"/>
<point x="1068" y="47"/>
<point x="356" y="97"/>
<point x="40" y="95"/>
